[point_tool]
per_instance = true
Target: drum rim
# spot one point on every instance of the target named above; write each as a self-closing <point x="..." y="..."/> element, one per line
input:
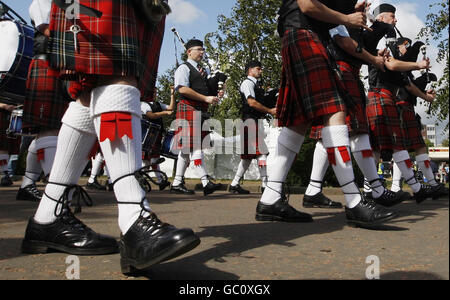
<point x="20" y="56"/>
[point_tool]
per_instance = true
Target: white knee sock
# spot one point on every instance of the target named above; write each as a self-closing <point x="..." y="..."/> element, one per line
<point x="48" y="145"/>
<point x="97" y="164"/>
<point x="123" y="155"/>
<point x="262" y="164"/>
<point x="157" y="168"/>
<point x="33" y="168"/>
<point x="182" y="165"/>
<point x="71" y="158"/>
<point x="423" y="161"/>
<point x="263" y="175"/>
<point x="288" y="145"/>
<point x="335" y="139"/>
<point x="405" y="165"/>
<point x="396" y="178"/>
<point x="198" y="158"/>
<point x="242" y="168"/>
<point x="319" y="169"/>
<point x="362" y="152"/>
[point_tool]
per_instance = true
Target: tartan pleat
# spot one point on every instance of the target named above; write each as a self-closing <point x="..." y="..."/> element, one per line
<point x="308" y="86"/>
<point x="384" y="121"/>
<point x="120" y="43"/>
<point x="45" y="101"/>
<point x="187" y="115"/>
<point x="411" y="127"/>
<point x="356" y="115"/>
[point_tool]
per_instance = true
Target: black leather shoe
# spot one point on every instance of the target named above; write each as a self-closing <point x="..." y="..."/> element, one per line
<point x="95" y="186"/>
<point x="440" y="191"/>
<point x="29" y="193"/>
<point x="66" y="234"/>
<point x="237" y="190"/>
<point x="181" y="189"/>
<point x="6" y="180"/>
<point x="211" y="188"/>
<point x="280" y="211"/>
<point x="163" y="185"/>
<point x="424" y="193"/>
<point x="368" y="214"/>
<point x="389" y="198"/>
<point x="150" y="241"/>
<point x="368" y="196"/>
<point x="320" y="200"/>
<point x="405" y="195"/>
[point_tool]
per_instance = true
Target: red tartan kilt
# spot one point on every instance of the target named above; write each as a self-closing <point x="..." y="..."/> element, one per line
<point x="185" y="116"/>
<point x="308" y="87"/>
<point x="411" y="127"/>
<point x="12" y="145"/>
<point x="120" y="43"/>
<point x="384" y="121"/>
<point x="251" y="149"/>
<point x="356" y="116"/>
<point x="45" y="101"/>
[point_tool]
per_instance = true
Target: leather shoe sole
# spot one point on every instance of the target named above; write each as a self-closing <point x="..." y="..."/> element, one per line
<point x="373" y="224"/>
<point x="320" y="201"/>
<point x="275" y="218"/>
<point x="130" y="266"/>
<point x="38" y="247"/>
<point x="335" y="205"/>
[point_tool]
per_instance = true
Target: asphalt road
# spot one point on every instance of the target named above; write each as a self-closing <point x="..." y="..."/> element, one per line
<point x="236" y="247"/>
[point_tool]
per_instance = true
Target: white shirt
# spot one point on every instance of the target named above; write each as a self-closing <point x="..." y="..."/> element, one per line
<point x="182" y="74"/>
<point x="340" y="30"/>
<point x="248" y="87"/>
<point x="40" y="11"/>
<point x="145" y="107"/>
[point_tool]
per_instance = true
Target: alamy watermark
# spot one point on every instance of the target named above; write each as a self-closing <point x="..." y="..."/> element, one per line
<point x="188" y="135"/>
<point x="73" y="270"/>
<point x="373" y="270"/>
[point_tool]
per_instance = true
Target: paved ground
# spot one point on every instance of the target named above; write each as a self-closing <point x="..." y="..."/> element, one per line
<point x="235" y="246"/>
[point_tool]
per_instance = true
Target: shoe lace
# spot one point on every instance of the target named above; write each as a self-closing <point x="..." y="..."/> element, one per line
<point x="33" y="189"/>
<point x="144" y="179"/>
<point x="369" y="203"/>
<point x="286" y="191"/>
<point x="62" y="204"/>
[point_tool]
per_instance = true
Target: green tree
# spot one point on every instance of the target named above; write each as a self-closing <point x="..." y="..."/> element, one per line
<point x="445" y="143"/>
<point x="163" y="90"/>
<point x="436" y="29"/>
<point x="429" y="143"/>
<point x="249" y="33"/>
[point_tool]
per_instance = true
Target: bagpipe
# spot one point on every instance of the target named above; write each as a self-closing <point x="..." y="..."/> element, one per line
<point x="426" y="80"/>
<point x="216" y="79"/>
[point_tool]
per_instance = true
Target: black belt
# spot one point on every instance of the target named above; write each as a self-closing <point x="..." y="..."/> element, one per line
<point x="398" y="91"/>
<point x="387" y="86"/>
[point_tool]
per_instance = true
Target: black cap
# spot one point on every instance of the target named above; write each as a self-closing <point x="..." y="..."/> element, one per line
<point x="252" y="64"/>
<point x="193" y="43"/>
<point x="384" y="8"/>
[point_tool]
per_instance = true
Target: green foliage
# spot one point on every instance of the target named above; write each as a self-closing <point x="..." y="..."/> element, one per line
<point x="249" y="33"/>
<point x="163" y="93"/>
<point x="436" y="28"/>
<point x="429" y="143"/>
